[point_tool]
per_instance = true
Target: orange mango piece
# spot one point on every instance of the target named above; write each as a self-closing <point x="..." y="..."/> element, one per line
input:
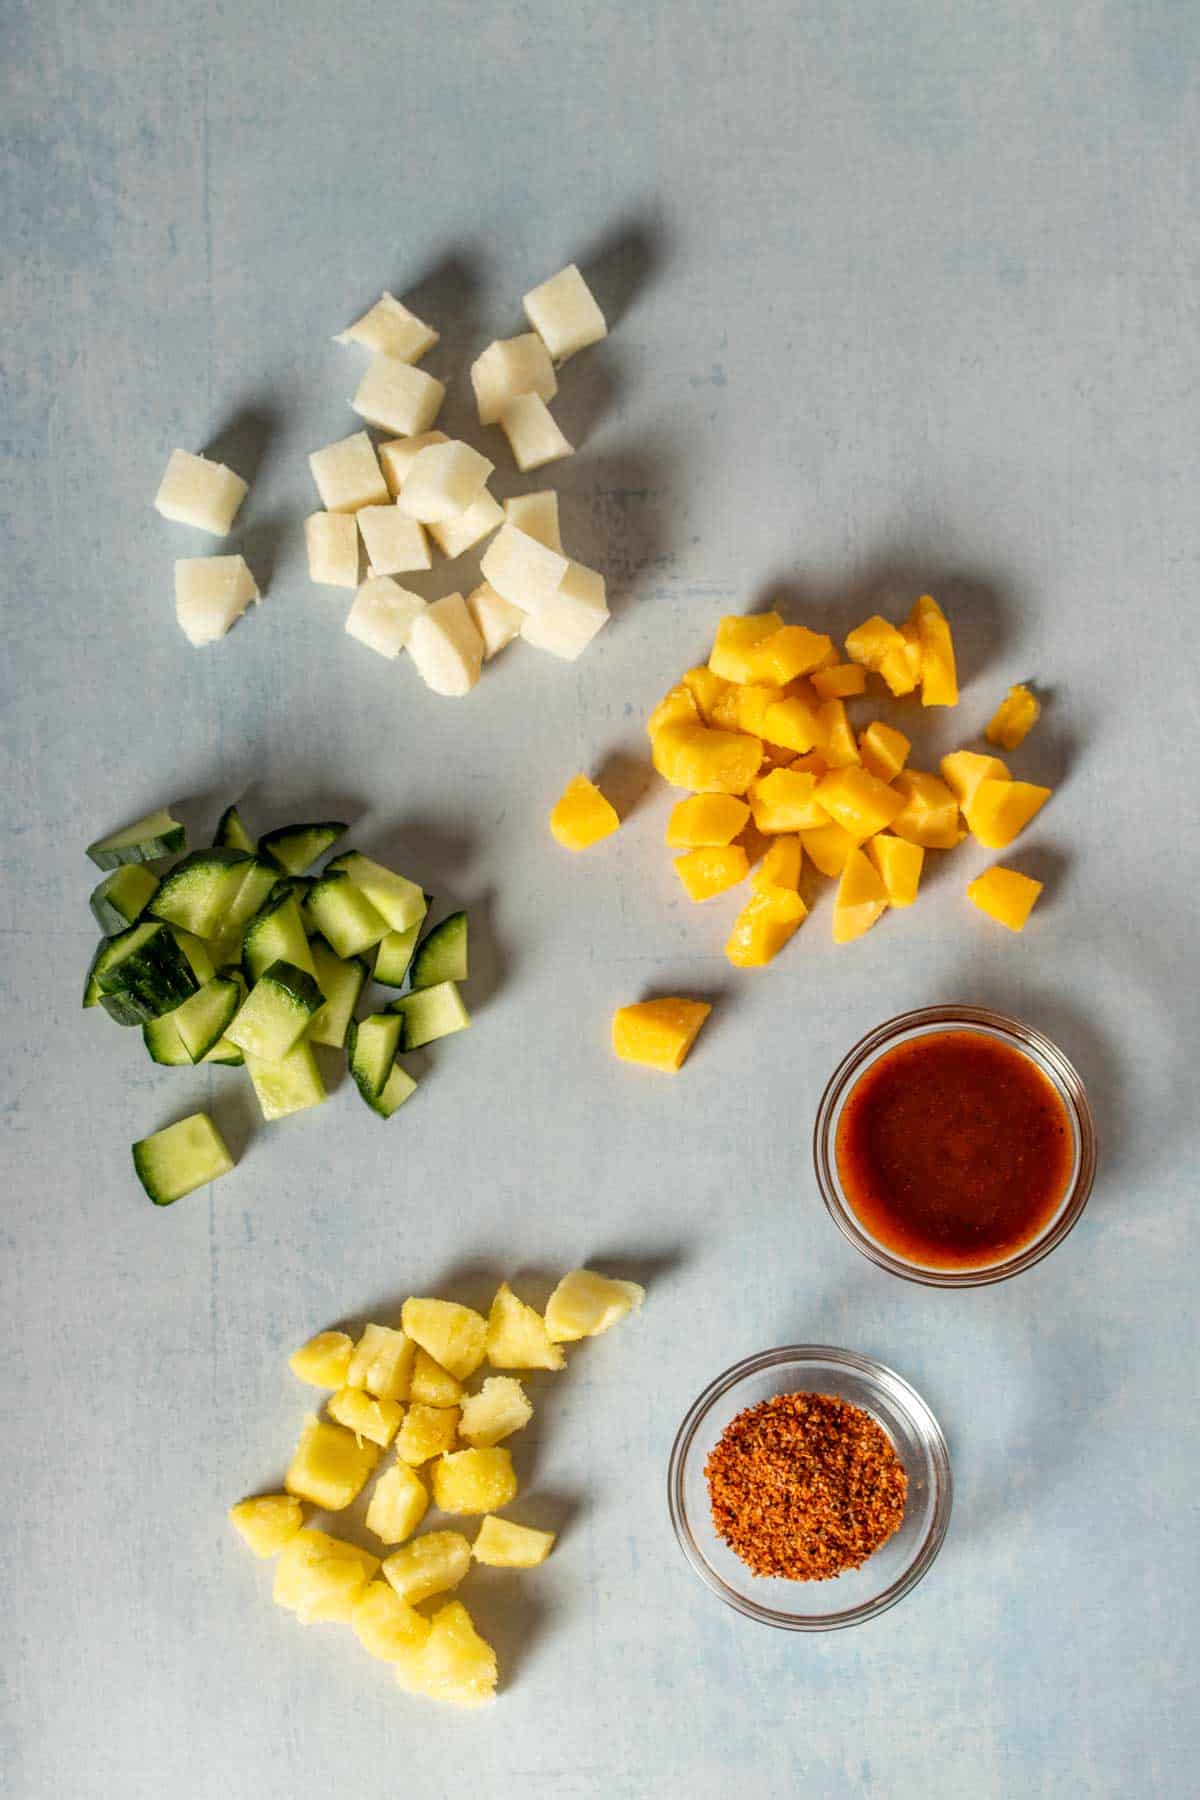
<point x="783" y="801"/>
<point x="793" y="723"/>
<point x="836" y="742"/>
<point x="678" y="707"/>
<point x="790" y="652"/>
<point x="930" y="815"/>
<point x="733" y="648"/>
<point x="1014" y="719"/>
<point x="841" y="681"/>
<point x="827" y="847"/>
<point x="939" y="677"/>
<point x="1005" y="895"/>
<point x="706" y="821"/>
<point x="899" y="864"/>
<point x="658" y="1033"/>
<point x="581" y="816"/>
<point x="706" y="689"/>
<point x="769" y="918"/>
<point x="745" y="708"/>
<point x="871" y="641"/>
<point x="860" y="900"/>
<point x="708" y="762"/>
<point x="1002" y="809"/>
<point x="781" y="865"/>
<point x="884" y="750"/>
<point x="860" y="803"/>
<point x="964" y="770"/>
<point x="708" y="872"/>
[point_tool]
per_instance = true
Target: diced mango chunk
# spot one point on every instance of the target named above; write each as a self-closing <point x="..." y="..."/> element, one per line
<point x="323" y="1362"/>
<point x="794" y="723"/>
<point x="871" y="641"/>
<point x="474" y="1481"/>
<point x="764" y="925"/>
<point x="883" y="749"/>
<point x="499" y="1408"/>
<point x="658" y="1033"/>
<point x="827" y="847"/>
<point x="781" y="865"/>
<point x="581" y="815"/>
<point x="786" y="800"/>
<point x="860" y="803"/>
<point x="385" y="1625"/>
<point x="428" y="1565"/>
<point x="899" y="864"/>
<point x="399" y="1501"/>
<point x="376" y="1420"/>
<point x="427" y="1431"/>
<point x="1000" y="810"/>
<point x="321" y="1578"/>
<point x="745" y="708"/>
<point x="329" y="1466"/>
<point x="453" y="1335"/>
<point x="431" y="1384"/>
<point x="930" y="815"/>
<point x="789" y="652"/>
<point x="705" y="873"/>
<point x="1005" y="895"/>
<point x="585" y="1304"/>
<point x="706" y="821"/>
<point x="502" y="1545"/>
<point x="382" y="1363"/>
<point x="939" y="678"/>
<point x="1014" y="718"/>
<point x="860" y="900"/>
<point x="708" y="762"/>
<point x="454" y="1665"/>
<point x="964" y="770"/>
<point x="706" y="689"/>
<point x="836" y="742"/>
<point x="733" y="647"/>
<point x="516" y="1335"/>
<point x="268" y="1522"/>
<point x="839" y="682"/>
<point x="677" y="707"/>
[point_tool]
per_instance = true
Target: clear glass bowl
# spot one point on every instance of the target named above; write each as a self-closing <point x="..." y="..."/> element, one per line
<point x="1057" y="1070"/>
<point x="894" y="1569"/>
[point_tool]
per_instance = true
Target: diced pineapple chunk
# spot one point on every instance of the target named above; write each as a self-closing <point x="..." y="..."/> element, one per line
<point x="455" y="1665"/>
<point x="194" y="491"/>
<point x="390" y="329"/>
<point x="789" y="652"/>
<point x="395" y="544"/>
<point x="786" y="801"/>
<point x="508" y="368"/>
<point x="446" y="647"/>
<point x="564" y="313"/>
<point x="585" y="1305"/>
<point x="533" y="435"/>
<point x="536" y="515"/>
<point x="827" y="847"/>
<point x="497" y="620"/>
<point x="502" y="1545"/>
<point x="930" y="815"/>
<point x="376" y="1420"/>
<point x="382" y="1363"/>
<point x="481" y="518"/>
<point x="427" y="1431"/>
<point x="348" y="475"/>
<point x="331" y="540"/>
<point x="658" y="1033"/>
<point x="521" y="569"/>
<point x="397" y="456"/>
<point x="1005" y="895"/>
<point x="899" y="864"/>
<point x="1000" y="810"/>
<point x="581" y="816"/>
<point x="964" y="770"/>
<point x="708" y="762"/>
<point x="840" y="682"/>
<point x="268" y="1522"/>
<point x="764" y="926"/>
<point x="211" y="594"/>
<point x="706" y="821"/>
<point x="399" y="1502"/>
<point x="733" y="648"/>
<point x="396" y="397"/>
<point x="442" y="481"/>
<point x="499" y="1408"/>
<point x="706" y="873"/>
<point x="382" y="615"/>
<point x="330" y="1466"/>
<point x="320" y="1578"/>
<point x="706" y="689"/>
<point x="474" y="1481"/>
<point x="939" y="679"/>
<point x="566" y="623"/>
<point x="860" y="900"/>
<point x="860" y="803"/>
<point x="431" y="1384"/>
<point x="516" y="1335"/>
<point x="386" y="1626"/>
<point x="1014" y="718"/>
<point x="781" y="865"/>
<point x="884" y="750"/>
<point x="324" y="1361"/>
<point x="836" y="742"/>
<point x="430" y="1564"/>
<point x="454" y="1335"/>
<point x="793" y="723"/>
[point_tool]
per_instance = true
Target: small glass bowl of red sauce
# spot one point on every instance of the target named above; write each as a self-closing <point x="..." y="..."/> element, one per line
<point x="955" y="1146"/>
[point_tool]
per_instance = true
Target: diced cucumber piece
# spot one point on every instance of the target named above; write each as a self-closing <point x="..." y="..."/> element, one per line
<point x="443" y="953"/>
<point x="300" y="885"/>
<point x="276" y="1012"/>
<point x="276" y="934"/>
<point x="344" y="916"/>
<point x="143" y="973"/>
<point x="185" y="1156"/>
<point x="430" y="1013"/>
<point x="296" y="847"/>
<point x="401" y="901"/>
<point x="341" y="983"/>
<point x="200" y="958"/>
<point x="122" y="897"/>
<point x="199" y="891"/>
<point x="251" y="897"/>
<point x="371" y="1047"/>
<point x="163" y="1042"/>
<point x="158" y="834"/>
<point x="290" y="1085"/>
<point x="394" y="955"/>
<point x="91" y="986"/>
<point x="231" y="833"/>
<point x="202" y="1021"/>
<point x="400" y="1085"/>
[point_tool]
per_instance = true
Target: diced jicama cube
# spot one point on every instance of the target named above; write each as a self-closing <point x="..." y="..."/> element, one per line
<point x="197" y="492"/>
<point x="522" y="570"/>
<point x="442" y="481"/>
<point x="396" y="456"/>
<point x="397" y="397"/>
<point x="348" y="475"/>
<point x="508" y="368"/>
<point x="446" y="647"/>
<point x="332" y="543"/>
<point x="533" y="437"/>
<point x="564" y="313"/>
<point x="395" y="543"/>
<point x="497" y="620"/>
<point x="211" y="592"/>
<point x="537" y="516"/>
<point x="481" y="518"/>
<point x="383" y="615"/>
<point x="391" y="330"/>
<point x="570" y="619"/>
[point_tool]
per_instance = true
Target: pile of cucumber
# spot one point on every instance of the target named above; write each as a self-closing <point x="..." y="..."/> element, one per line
<point x="240" y="954"/>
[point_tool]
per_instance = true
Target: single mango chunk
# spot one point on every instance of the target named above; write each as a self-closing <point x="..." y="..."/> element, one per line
<point x="706" y="821"/>
<point x="790" y="652"/>
<point x="840" y="682"/>
<point x="677" y="707"/>
<point x="1005" y="896"/>
<point x="706" y="689"/>
<point x="1014" y="719"/>
<point x="763" y="927"/>
<point x="658" y="1033"/>
<point x="781" y="865"/>
<point x="582" y="816"/>
<point x="705" y="873"/>
<point x="964" y="770"/>
<point x="939" y="678"/>
<point x="930" y="815"/>
<point x="900" y="670"/>
<point x="708" y="762"/>
<point x="859" y="802"/>
<point x="899" y="864"/>
<point x="827" y="847"/>
<point x="1002" y="809"/>
<point x="745" y="708"/>
<point x="884" y="750"/>
<point x="871" y="641"/>
<point x="860" y="900"/>
<point x="793" y="723"/>
<point x="836" y="742"/>
<point x="784" y="801"/>
<point x="267" y="1523"/>
<point x="733" y="647"/>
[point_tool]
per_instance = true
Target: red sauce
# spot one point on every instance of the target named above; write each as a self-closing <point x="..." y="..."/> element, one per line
<point x="954" y="1150"/>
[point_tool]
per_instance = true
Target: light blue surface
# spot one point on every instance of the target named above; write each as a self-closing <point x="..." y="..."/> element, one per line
<point x="904" y="295"/>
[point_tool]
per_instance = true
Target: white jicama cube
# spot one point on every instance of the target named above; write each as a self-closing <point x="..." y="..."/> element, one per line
<point x="484" y="516"/>
<point x="397" y="397"/>
<point x="564" y="313"/>
<point x="395" y="543"/>
<point x="348" y="475"/>
<point x="442" y="481"/>
<point x="522" y="570"/>
<point x="446" y="647"/>
<point x="210" y="593"/>
<point x="533" y="437"/>
<point x="569" y="620"/>
<point x="396" y="456"/>
<point x="537" y="516"/>
<point x="382" y="615"/>
<point x="197" y="492"/>
<point x="332" y="543"/>
<point x="391" y="330"/>
<point x="497" y="621"/>
<point x="508" y="368"/>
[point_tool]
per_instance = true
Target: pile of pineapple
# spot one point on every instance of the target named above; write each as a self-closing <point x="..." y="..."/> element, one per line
<point x="405" y="1389"/>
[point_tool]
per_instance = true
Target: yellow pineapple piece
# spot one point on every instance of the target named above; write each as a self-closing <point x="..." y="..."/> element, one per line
<point x="860" y="900"/>
<point x="658" y="1033"/>
<point x="382" y="1363"/>
<point x="499" y="1408"/>
<point x="516" y="1335"/>
<point x="432" y="1385"/>
<point x="323" y="1362"/>
<point x="677" y="707"/>
<point x="764" y="925"/>
<point x="1014" y="718"/>
<point x="827" y="847"/>
<point x="860" y="803"/>
<point x="705" y="873"/>
<point x="585" y="1304"/>
<point x="930" y="813"/>
<point x="794" y="723"/>
<point x="431" y="1564"/>
<point x="399" y="1502"/>
<point x="1005" y="895"/>
<point x="780" y="866"/>
<point x="788" y="653"/>
<point x="706" y="821"/>
<point x="706" y="689"/>
<point x="836" y="741"/>
<point x="455" y="1665"/>
<point x="963" y="771"/>
<point x="453" y="1335"/>
<point x="320" y="1578"/>
<point x="884" y="750"/>
<point x="707" y="762"/>
<point x="841" y="681"/>
<point x="732" y="652"/>
<point x="939" y="678"/>
<point x="871" y="641"/>
<point x="581" y="816"/>
<point x="268" y="1522"/>
<point x="786" y="800"/>
<point x="1000" y="810"/>
<point x="386" y="1626"/>
<point x="376" y="1420"/>
<point x="899" y="864"/>
<point x="745" y="708"/>
<point x="330" y="1466"/>
<point x="427" y="1431"/>
<point x="502" y="1545"/>
<point x="474" y="1481"/>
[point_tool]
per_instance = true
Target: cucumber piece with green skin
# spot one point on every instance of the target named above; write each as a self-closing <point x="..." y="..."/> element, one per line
<point x="296" y="847"/>
<point x="341" y="982"/>
<point x="394" y="955"/>
<point x="276" y="933"/>
<point x="122" y="897"/>
<point x="288" y="1086"/>
<point x="300" y="885"/>
<point x="183" y="1157"/>
<point x="158" y="834"/>
<point x="164" y="1044"/>
<point x="400" y="1087"/>
<point x="401" y="901"/>
<point x="199" y="956"/>
<point x="202" y="1021"/>
<point x="199" y="891"/>
<point x="251" y="897"/>
<point x="91" y="986"/>
<point x="231" y="833"/>
<point x="371" y="1046"/>
<point x="276" y="1013"/>
<point x="443" y="953"/>
<point x="143" y="973"/>
<point x="344" y="916"/>
<point x="430" y="1013"/>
